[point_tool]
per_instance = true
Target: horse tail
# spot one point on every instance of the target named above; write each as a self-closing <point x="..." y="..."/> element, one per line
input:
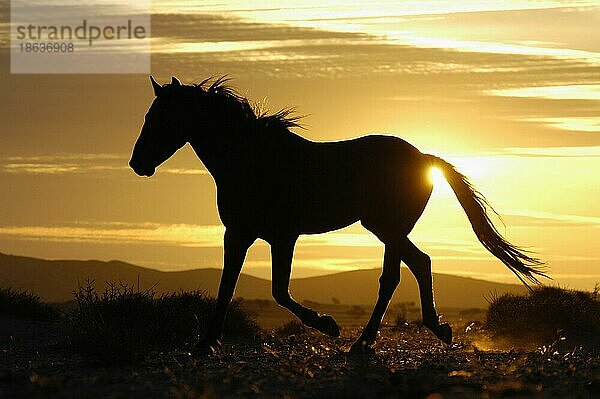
<point x="477" y="208"/>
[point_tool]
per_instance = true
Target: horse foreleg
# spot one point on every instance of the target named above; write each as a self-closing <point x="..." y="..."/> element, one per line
<point x="282" y="253"/>
<point x="235" y="247"/>
<point x="419" y="264"/>
<point x="389" y="280"/>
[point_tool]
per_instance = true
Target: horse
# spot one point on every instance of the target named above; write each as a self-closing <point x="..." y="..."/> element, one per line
<point x="275" y="185"/>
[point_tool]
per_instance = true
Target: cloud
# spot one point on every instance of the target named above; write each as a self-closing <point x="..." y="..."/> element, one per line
<point x="207" y="236"/>
<point x="500" y="48"/>
<point x="556" y="152"/>
<point x="493" y="27"/>
<point x="352" y="12"/>
<point x="571" y="92"/>
<point x="52" y="168"/>
<point x="65" y="157"/>
<point x="310" y="42"/>
<point x="532" y="218"/>
<point x="215" y="28"/>
<point x="564" y="93"/>
<point x="184" y="171"/>
<point x="324" y="264"/>
<point x="579" y="123"/>
<point x="61" y="164"/>
<point x="124" y="233"/>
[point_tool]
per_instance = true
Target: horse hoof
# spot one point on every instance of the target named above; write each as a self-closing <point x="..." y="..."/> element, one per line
<point x="444" y="332"/>
<point x="208" y="347"/>
<point x="361" y="348"/>
<point x="327" y="325"/>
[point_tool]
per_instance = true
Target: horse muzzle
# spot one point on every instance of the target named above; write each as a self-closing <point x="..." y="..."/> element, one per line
<point x="141" y="171"/>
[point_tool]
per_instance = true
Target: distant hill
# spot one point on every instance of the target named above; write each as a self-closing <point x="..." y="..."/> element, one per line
<point x="55" y="280"/>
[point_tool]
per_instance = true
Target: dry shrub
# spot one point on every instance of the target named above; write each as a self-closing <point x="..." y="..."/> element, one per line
<point x="122" y="324"/>
<point x="546" y="314"/>
<point x="25" y="305"/>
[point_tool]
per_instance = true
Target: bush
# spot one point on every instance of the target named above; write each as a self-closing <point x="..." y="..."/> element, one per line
<point x="25" y="305"/>
<point x="122" y="324"/>
<point x="546" y="314"/>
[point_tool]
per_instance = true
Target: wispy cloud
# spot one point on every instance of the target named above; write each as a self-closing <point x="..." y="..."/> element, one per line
<point x="53" y="168"/>
<point x="537" y="217"/>
<point x="203" y="236"/>
<point x="584" y="92"/>
<point x="558" y="152"/>
<point x="324" y="264"/>
<point x="126" y="233"/>
<point x="294" y="11"/>
<point x="184" y="171"/>
<point x="571" y="92"/>
<point x="61" y="164"/>
<point x="573" y="123"/>
<point x="66" y="157"/>
<point x="189" y="235"/>
<point x="166" y="46"/>
<point x="499" y="48"/>
<point x="407" y="23"/>
<point x="337" y="37"/>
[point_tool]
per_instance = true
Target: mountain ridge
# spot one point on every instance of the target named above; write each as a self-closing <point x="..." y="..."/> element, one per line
<point x="55" y="281"/>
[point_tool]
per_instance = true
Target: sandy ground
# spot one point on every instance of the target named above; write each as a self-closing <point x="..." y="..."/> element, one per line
<point x="35" y="362"/>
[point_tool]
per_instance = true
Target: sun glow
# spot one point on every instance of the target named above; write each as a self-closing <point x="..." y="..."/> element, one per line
<point x="437" y="177"/>
<point x="475" y="168"/>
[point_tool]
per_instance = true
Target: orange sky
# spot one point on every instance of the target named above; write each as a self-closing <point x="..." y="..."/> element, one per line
<point x="507" y="90"/>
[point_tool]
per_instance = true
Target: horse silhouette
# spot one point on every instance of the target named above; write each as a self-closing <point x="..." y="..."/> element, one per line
<point x="276" y="185"/>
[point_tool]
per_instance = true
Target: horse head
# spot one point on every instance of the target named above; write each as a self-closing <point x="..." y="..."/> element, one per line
<point x="165" y="128"/>
<point x="179" y="112"/>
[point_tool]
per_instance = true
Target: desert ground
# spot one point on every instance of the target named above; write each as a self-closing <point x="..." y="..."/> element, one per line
<point x="294" y="362"/>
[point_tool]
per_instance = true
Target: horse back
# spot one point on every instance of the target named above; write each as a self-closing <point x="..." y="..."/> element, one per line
<point x="313" y="187"/>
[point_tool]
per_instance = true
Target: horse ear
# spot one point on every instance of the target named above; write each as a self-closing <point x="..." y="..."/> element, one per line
<point x="157" y="88"/>
<point x="175" y="81"/>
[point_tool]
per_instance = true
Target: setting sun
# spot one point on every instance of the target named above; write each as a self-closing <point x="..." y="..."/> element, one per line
<point x="437" y="177"/>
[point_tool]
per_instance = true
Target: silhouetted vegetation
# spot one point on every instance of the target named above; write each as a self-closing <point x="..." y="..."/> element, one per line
<point x="357" y="310"/>
<point x="401" y="313"/>
<point x="547" y="314"/>
<point x="293" y="327"/>
<point x="400" y="321"/>
<point x="123" y="324"/>
<point x="26" y="305"/>
<point x="295" y="361"/>
<point x="471" y="313"/>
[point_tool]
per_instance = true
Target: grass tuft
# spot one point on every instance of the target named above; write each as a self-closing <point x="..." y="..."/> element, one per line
<point x="292" y="327"/>
<point x="25" y="305"/>
<point x="401" y="321"/>
<point x="123" y="324"/>
<point x="547" y="314"/>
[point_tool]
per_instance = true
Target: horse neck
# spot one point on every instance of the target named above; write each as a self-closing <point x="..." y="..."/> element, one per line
<point x="229" y="152"/>
<point x="223" y="150"/>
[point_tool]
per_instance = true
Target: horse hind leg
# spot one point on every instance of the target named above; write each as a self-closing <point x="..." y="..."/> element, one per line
<point x="282" y="253"/>
<point x="389" y="280"/>
<point x="419" y="264"/>
<point x="391" y="224"/>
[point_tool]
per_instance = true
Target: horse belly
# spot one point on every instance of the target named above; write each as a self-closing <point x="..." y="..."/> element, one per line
<point x="325" y="216"/>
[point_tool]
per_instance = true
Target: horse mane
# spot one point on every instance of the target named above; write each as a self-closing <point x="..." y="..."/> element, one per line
<point x="284" y="119"/>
